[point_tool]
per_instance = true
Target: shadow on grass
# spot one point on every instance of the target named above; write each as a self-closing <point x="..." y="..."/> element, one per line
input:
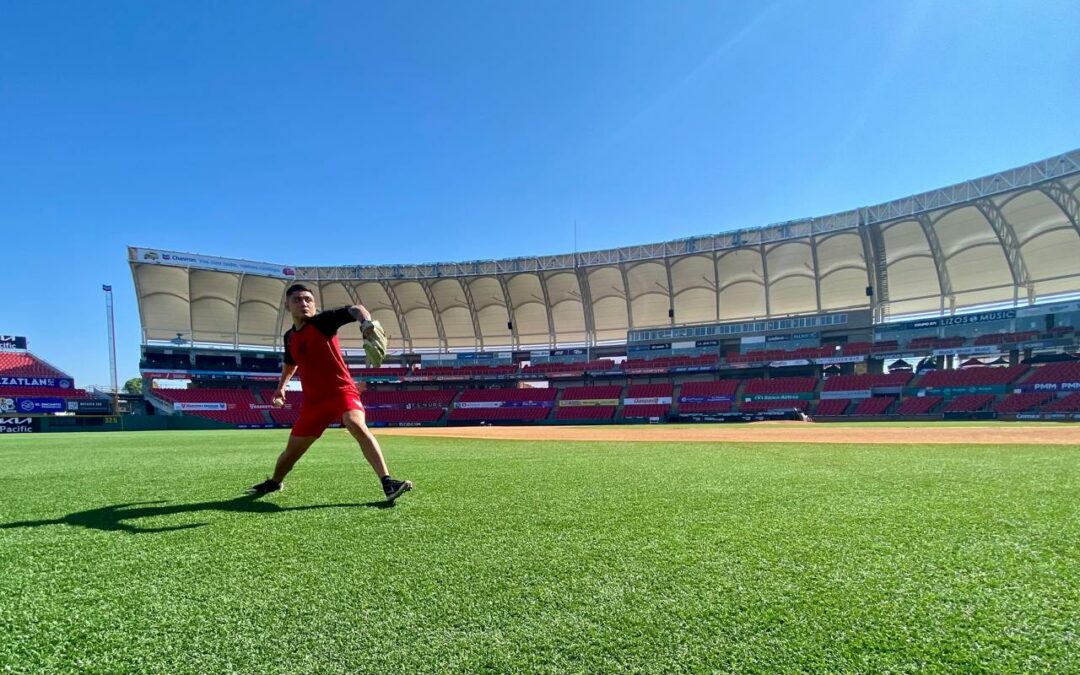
<point x="113" y="518"/>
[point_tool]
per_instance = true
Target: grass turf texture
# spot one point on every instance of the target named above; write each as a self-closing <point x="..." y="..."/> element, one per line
<point x="567" y="557"/>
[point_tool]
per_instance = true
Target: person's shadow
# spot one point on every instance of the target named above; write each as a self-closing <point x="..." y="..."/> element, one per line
<point x="114" y="518"/>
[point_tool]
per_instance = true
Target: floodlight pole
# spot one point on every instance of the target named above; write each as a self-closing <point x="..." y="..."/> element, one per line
<point x="111" y="321"/>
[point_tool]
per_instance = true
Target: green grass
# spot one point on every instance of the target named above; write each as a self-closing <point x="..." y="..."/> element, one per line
<point x="537" y="557"/>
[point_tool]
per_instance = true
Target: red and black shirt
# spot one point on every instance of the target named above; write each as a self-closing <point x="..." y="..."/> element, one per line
<point x="314" y="348"/>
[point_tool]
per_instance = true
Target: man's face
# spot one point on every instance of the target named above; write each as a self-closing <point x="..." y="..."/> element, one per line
<point x="302" y="305"/>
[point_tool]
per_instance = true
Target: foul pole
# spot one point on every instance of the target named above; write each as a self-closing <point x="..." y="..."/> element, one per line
<point x="111" y="321"/>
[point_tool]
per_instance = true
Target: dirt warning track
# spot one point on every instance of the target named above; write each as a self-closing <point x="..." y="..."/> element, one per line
<point x="770" y="432"/>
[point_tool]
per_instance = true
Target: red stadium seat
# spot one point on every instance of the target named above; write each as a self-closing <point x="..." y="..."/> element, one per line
<point x="875" y="405"/>
<point x="918" y="405"/>
<point x="969" y="403"/>
<point x="833" y="406"/>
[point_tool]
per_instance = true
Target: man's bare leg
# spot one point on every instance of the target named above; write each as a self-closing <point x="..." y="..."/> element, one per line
<point x="354" y="421"/>
<point x="294" y="450"/>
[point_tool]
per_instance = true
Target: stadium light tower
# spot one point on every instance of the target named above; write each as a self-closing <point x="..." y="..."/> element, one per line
<point x="110" y="320"/>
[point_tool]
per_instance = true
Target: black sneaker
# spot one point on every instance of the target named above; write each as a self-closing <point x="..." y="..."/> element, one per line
<point x="266" y="487"/>
<point x="393" y="488"/>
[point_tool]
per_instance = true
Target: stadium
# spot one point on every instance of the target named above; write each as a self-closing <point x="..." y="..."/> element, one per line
<point x="613" y="463"/>
<point x="959" y="303"/>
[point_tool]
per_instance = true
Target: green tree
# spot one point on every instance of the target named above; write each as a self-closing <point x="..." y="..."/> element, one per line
<point x="133" y="386"/>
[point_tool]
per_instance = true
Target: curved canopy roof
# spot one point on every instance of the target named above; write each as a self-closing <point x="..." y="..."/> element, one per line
<point x="1013" y="237"/>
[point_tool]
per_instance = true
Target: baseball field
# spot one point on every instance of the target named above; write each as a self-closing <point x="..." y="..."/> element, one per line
<point x="750" y="548"/>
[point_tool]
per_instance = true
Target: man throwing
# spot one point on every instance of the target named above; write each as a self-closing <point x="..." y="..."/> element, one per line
<point x="330" y="395"/>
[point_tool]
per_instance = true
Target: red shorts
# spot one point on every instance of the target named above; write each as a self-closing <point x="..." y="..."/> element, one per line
<point x="315" y="417"/>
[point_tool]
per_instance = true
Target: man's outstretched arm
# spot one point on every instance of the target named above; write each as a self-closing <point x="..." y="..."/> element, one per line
<point x="287" y="371"/>
<point x="360" y="313"/>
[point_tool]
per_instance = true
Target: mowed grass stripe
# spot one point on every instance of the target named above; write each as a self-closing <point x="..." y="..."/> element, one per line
<point x="536" y="556"/>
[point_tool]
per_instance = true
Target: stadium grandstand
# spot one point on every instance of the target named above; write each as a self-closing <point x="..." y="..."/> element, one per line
<point x="961" y="302"/>
<point x="31" y="386"/>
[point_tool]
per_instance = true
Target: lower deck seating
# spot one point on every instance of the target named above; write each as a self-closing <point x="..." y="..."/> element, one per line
<point x="638" y="411"/>
<point x="833" y="406"/>
<point x="875" y="405"/>
<point x="713" y="407"/>
<point x="1070" y="403"/>
<point x="969" y="403"/>
<point x="585" y="412"/>
<point x="781" y="404"/>
<point x="237" y="404"/>
<point x="530" y="414"/>
<point x="1014" y="403"/>
<point x="918" y="405"/>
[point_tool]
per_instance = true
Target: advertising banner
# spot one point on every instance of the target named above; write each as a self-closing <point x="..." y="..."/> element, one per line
<point x="1049" y="417"/>
<point x="12" y="342"/>
<point x="807" y="395"/>
<point x="577" y="351"/>
<point x="958" y="320"/>
<point x="949" y="392"/>
<point x="655" y="400"/>
<point x="707" y="343"/>
<point x="829" y="360"/>
<point x="148" y="256"/>
<point x="268" y="406"/>
<point x="646" y="370"/>
<point x="860" y="393"/>
<point x="208" y="374"/>
<point x="789" y="362"/>
<point x="705" y="399"/>
<point x="34" y="405"/>
<point x="968" y="351"/>
<point x="693" y="369"/>
<point x="200" y="406"/>
<point x="17" y="425"/>
<point x="589" y="402"/>
<point x="504" y="404"/>
<point x="1050" y="386"/>
<point x="43" y="382"/>
<point x="91" y="406"/>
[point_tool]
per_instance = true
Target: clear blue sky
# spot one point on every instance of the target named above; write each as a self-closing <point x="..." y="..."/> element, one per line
<point x="348" y="132"/>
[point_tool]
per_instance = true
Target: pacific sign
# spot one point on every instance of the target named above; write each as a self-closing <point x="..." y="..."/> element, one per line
<point x="16" y="425"/>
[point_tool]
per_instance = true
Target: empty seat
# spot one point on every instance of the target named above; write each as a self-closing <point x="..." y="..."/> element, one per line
<point x="918" y="405"/>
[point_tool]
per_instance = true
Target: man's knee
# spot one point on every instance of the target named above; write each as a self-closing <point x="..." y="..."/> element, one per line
<point x="354" y="422"/>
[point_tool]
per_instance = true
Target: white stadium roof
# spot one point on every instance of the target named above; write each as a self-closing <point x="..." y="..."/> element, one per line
<point x="1012" y="237"/>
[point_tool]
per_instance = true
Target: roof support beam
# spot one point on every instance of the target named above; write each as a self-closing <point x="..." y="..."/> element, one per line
<point x="511" y="318"/>
<point x="626" y="295"/>
<point x="765" y="279"/>
<point x="479" y="339"/>
<point x="191" y="314"/>
<point x="944" y="282"/>
<point x="1065" y="200"/>
<point x="877" y="277"/>
<point x="670" y="291"/>
<point x="1007" y="238"/>
<point x="817" y="272"/>
<point x="542" y="277"/>
<point x="406" y="338"/>
<point x="716" y="280"/>
<point x="436" y="315"/>
<point x="586" y="304"/>
<point x="236" y="308"/>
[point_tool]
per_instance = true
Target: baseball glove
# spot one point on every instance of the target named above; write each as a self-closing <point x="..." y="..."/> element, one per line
<point x="375" y="342"/>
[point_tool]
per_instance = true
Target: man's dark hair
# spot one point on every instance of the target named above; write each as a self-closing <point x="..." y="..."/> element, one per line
<point x="297" y="288"/>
